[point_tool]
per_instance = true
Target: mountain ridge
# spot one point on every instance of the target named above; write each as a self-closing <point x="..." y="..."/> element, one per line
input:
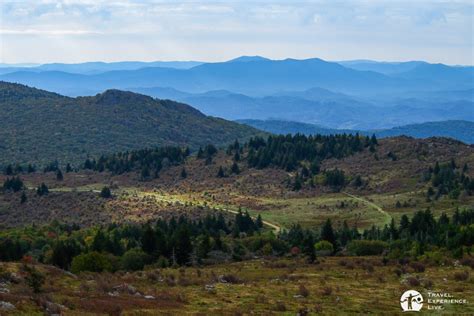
<point x="40" y="126"/>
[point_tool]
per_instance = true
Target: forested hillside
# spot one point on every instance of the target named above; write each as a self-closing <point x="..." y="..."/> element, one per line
<point x="39" y="126"/>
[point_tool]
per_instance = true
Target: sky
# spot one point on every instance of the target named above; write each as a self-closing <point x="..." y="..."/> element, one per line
<point x="43" y="31"/>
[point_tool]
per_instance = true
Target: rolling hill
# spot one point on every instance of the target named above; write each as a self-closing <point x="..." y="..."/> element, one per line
<point x="38" y="126"/>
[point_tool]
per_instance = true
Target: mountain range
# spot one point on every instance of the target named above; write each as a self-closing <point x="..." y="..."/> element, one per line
<point x="250" y="75"/>
<point x="360" y="94"/>
<point x="324" y="107"/>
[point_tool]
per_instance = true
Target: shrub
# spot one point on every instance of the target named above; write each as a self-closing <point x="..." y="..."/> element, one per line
<point x="303" y="291"/>
<point x="412" y="281"/>
<point x="92" y="261"/>
<point x="267" y="250"/>
<point x="367" y="247"/>
<point x="162" y="262"/>
<point x="327" y="290"/>
<point x="34" y="278"/>
<point x="134" y="259"/>
<point x="468" y="262"/>
<point x="230" y="278"/>
<point x="105" y="193"/>
<point x="428" y="284"/>
<point x="324" y="247"/>
<point x="418" y="266"/>
<point x="461" y="276"/>
<point x="434" y="257"/>
<point x="280" y="307"/>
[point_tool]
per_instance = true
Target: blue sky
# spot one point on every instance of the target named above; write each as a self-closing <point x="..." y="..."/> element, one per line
<point x="76" y="31"/>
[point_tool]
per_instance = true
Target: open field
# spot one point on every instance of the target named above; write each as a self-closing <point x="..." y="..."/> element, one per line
<point x="336" y="285"/>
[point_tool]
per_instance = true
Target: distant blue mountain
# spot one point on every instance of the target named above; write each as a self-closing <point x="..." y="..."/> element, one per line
<point x="99" y="67"/>
<point x="320" y="106"/>
<point x="255" y="76"/>
<point x="386" y="68"/>
<point x="354" y="95"/>
<point x="247" y="58"/>
<point x="259" y="77"/>
<point x="461" y="130"/>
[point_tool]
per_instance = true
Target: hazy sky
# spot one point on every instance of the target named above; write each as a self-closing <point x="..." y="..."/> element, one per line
<point x="89" y="30"/>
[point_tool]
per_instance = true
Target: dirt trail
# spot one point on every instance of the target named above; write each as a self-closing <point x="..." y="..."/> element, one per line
<point x="371" y="204"/>
<point x="163" y="198"/>
<point x="275" y="227"/>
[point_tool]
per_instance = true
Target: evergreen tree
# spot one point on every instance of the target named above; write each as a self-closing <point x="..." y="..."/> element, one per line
<point x="59" y="175"/>
<point x="183" y="246"/>
<point x="42" y="189"/>
<point x="327" y="233"/>
<point x="23" y="197"/>
<point x="235" y="168"/>
<point x="148" y="240"/>
<point x="68" y="168"/>
<point x="220" y="173"/>
<point x="105" y="193"/>
<point x="259" y="222"/>
<point x="308" y="248"/>
<point x="99" y="242"/>
<point x="184" y="174"/>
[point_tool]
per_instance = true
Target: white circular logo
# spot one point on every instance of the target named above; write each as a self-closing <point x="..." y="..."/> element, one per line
<point x="411" y="301"/>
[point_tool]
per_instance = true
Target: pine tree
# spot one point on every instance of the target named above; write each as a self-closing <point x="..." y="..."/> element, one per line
<point x="308" y="248"/>
<point x="148" y="240"/>
<point x="220" y="173"/>
<point x="183" y="245"/>
<point x="105" y="193"/>
<point x="59" y="175"/>
<point x="327" y="233"/>
<point x="259" y="222"/>
<point x="235" y="168"/>
<point x="184" y="174"/>
<point x="23" y="197"/>
<point x="237" y="156"/>
<point x="42" y="190"/>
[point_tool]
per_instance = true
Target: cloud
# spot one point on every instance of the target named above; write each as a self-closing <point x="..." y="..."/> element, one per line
<point x="47" y="32"/>
<point x="437" y="31"/>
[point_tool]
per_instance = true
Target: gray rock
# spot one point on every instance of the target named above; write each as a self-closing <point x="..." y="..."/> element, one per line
<point x="6" y="306"/>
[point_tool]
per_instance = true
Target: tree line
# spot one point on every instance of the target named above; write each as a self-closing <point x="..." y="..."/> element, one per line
<point x="214" y="238"/>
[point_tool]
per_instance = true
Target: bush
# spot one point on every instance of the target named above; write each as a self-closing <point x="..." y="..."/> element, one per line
<point x="468" y="262"/>
<point x="34" y="278"/>
<point x="280" y="307"/>
<point x="412" y="281"/>
<point x="461" y="276"/>
<point x="367" y="247"/>
<point x="105" y="193"/>
<point x="324" y="247"/>
<point x="326" y="291"/>
<point x="418" y="266"/>
<point x="92" y="261"/>
<point x="134" y="259"/>
<point x="303" y="291"/>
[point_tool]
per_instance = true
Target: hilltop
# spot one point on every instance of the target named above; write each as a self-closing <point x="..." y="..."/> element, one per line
<point x="40" y="126"/>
